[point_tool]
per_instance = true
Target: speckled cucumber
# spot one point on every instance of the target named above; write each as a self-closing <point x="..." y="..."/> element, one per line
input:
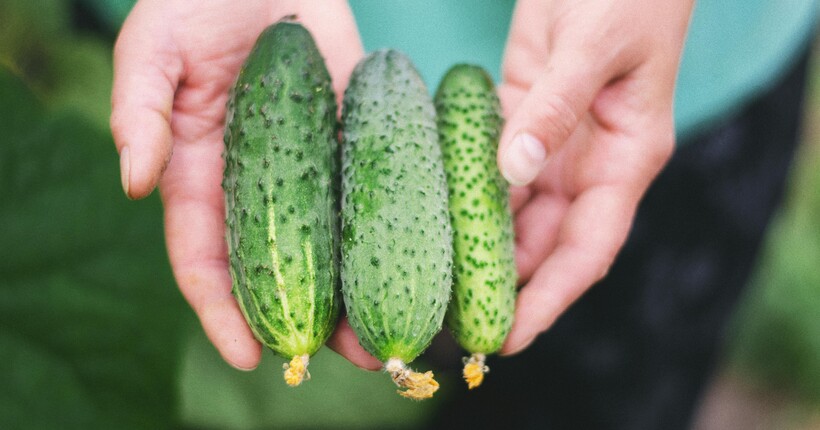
<point x="396" y="236"/>
<point x="281" y="195"/>
<point x="469" y="120"/>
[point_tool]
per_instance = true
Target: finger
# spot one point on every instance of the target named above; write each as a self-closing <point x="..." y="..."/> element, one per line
<point x="194" y="227"/>
<point x="595" y="228"/>
<point x="510" y="97"/>
<point x="346" y="344"/>
<point x="519" y="196"/>
<point x="535" y="232"/>
<point x="527" y="43"/>
<point x="547" y="115"/>
<point x="147" y="71"/>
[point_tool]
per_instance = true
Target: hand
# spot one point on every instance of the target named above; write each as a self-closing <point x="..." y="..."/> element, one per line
<point x="174" y="62"/>
<point x="587" y="89"/>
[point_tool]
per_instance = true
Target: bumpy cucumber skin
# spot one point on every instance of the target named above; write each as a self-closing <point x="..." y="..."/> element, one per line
<point x="281" y="192"/>
<point x="396" y="235"/>
<point x="484" y="281"/>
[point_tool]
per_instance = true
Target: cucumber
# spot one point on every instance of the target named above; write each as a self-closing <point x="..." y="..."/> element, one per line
<point x="281" y="195"/>
<point x="484" y="280"/>
<point x="396" y="236"/>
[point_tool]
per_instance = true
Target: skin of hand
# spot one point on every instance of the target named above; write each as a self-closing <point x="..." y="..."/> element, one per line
<point x="587" y="90"/>
<point x="173" y="65"/>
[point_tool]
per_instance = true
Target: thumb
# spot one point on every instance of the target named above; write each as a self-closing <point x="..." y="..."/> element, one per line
<point x="147" y="71"/>
<point x="546" y="117"/>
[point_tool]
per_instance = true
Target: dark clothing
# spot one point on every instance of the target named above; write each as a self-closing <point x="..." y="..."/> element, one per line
<point x="637" y="350"/>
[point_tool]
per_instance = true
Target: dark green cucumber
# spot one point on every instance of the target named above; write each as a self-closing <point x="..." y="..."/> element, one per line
<point x="281" y="195"/>
<point x="396" y="236"/>
<point x="484" y="282"/>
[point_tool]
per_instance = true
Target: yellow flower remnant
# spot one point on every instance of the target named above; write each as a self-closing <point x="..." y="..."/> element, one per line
<point x="417" y="386"/>
<point x="474" y="370"/>
<point x="296" y="370"/>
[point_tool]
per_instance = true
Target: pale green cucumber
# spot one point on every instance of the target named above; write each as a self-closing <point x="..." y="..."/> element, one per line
<point x="484" y="280"/>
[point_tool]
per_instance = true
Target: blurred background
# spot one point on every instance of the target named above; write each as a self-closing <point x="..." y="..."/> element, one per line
<point x="94" y="333"/>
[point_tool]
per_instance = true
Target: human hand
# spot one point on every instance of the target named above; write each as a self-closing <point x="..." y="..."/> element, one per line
<point x="587" y="89"/>
<point x="174" y="62"/>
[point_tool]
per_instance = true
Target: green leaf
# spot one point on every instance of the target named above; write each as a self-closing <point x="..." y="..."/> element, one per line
<point x="80" y="71"/>
<point x="20" y="112"/>
<point x="69" y="71"/>
<point x="89" y="313"/>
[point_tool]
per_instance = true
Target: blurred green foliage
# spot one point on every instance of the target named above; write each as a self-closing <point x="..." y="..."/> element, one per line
<point x="776" y="333"/>
<point x="67" y="71"/>
<point x="87" y="298"/>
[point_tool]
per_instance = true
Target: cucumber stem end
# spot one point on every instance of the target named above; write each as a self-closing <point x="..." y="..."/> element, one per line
<point x="296" y="371"/>
<point x="415" y="385"/>
<point x="474" y="369"/>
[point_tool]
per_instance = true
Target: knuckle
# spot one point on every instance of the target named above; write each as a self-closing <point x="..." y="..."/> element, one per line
<point x="555" y="118"/>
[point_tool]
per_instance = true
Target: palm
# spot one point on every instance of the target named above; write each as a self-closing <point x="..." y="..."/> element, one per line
<point x="173" y="72"/>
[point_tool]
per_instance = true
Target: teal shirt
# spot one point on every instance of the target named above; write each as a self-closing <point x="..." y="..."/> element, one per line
<point x="735" y="48"/>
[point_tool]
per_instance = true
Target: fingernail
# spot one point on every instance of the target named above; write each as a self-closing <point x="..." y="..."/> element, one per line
<point x="125" y="169"/>
<point x="244" y="369"/>
<point x="520" y="347"/>
<point x="370" y="367"/>
<point x="523" y="159"/>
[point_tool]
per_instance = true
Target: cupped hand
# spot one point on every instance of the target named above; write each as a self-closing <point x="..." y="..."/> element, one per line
<point x="587" y="89"/>
<point x="174" y="62"/>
